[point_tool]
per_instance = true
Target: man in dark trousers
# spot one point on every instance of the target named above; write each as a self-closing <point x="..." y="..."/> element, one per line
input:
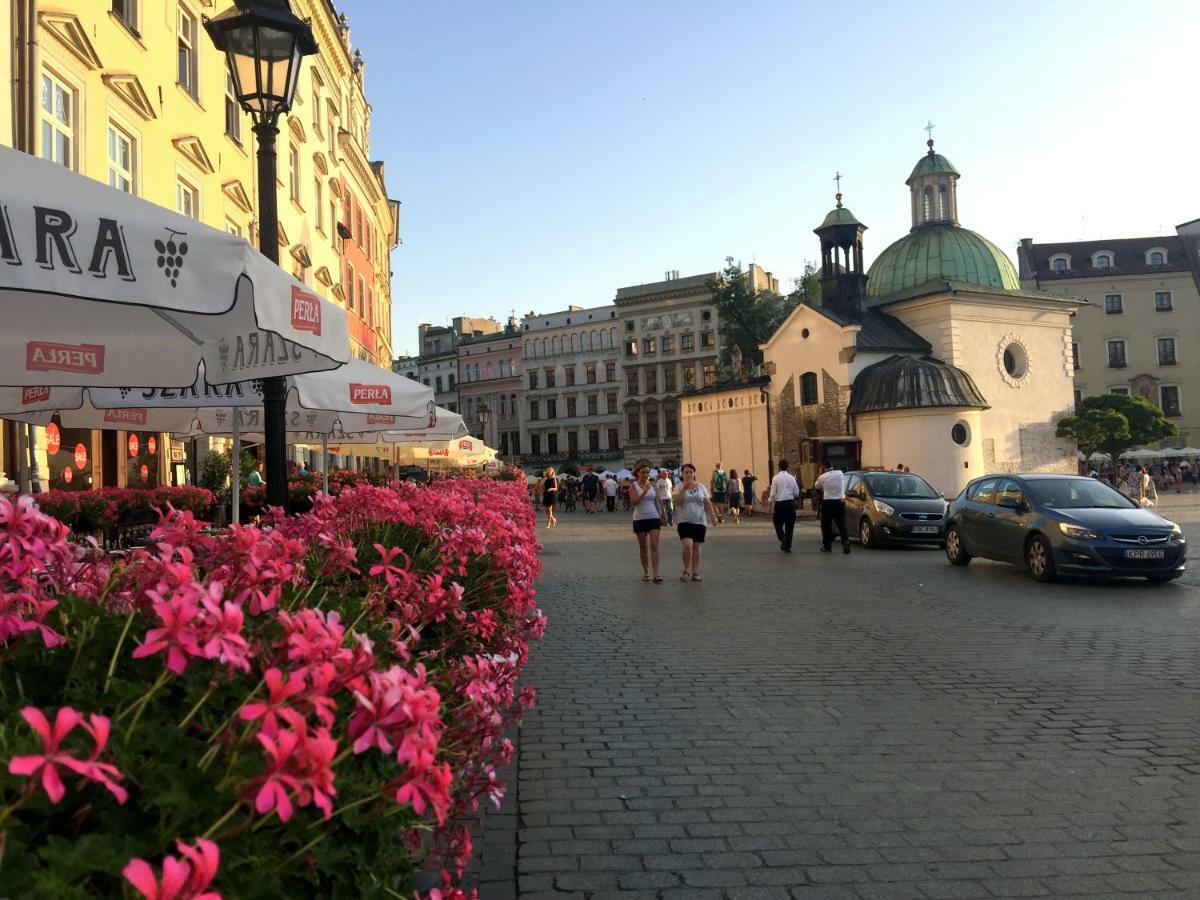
<point x="832" y="485"/>
<point x="783" y="494"/>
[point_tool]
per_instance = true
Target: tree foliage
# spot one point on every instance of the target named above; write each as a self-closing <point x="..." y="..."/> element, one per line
<point x="1114" y="423"/>
<point x="748" y="316"/>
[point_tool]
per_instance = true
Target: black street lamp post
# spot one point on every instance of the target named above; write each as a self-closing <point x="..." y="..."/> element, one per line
<point x="484" y="415"/>
<point x="265" y="43"/>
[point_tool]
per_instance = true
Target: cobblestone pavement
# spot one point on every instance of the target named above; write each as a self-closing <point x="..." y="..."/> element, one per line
<point x="877" y="725"/>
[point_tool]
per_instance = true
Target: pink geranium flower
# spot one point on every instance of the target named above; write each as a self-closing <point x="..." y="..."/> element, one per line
<point x="47" y="763"/>
<point x="177" y="635"/>
<point x="182" y="879"/>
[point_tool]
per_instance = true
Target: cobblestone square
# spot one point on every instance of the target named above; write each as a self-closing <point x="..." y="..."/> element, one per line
<point x="877" y="725"/>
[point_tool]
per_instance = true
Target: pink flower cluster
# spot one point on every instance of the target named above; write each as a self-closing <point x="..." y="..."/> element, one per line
<point x="53" y="756"/>
<point x="182" y="879"/>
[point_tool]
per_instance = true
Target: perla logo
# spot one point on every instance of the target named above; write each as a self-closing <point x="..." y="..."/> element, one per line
<point x="306" y="311"/>
<point x="125" y="417"/>
<point x="31" y="395"/>
<point x="49" y="356"/>
<point x="380" y="394"/>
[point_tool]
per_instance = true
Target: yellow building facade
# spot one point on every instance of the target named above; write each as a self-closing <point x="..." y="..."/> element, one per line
<point x="133" y="93"/>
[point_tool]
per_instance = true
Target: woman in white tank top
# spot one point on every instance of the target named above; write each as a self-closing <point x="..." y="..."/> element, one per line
<point x="647" y="519"/>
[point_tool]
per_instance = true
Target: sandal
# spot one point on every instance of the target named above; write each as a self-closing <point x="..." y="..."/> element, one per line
<point x="658" y="579"/>
<point x="696" y="577"/>
<point x="645" y="578"/>
<point x="686" y="576"/>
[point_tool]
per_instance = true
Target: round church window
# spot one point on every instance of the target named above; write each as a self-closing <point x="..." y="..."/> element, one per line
<point x="959" y="434"/>
<point x="1015" y="360"/>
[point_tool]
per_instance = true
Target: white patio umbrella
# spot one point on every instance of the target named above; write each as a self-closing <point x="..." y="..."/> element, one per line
<point x="1190" y="451"/>
<point x="1140" y="454"/>
<point x="623" y="474"/>
<point x="1172" y="453"/>
<point x="101" y="288"/>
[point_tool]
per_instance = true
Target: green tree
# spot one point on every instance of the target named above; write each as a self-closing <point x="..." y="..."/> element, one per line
<point x="807" y="288"/>
<point x="748" y="316"/>
<point x="1114" y="423"/>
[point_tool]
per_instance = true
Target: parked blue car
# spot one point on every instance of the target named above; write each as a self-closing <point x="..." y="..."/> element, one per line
<point x="1062" y="525"/>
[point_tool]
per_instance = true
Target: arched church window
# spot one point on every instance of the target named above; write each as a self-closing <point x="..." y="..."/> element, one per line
<point x="1103" y="261"/>
<point x="942" y="202"/>
<point x="1156" y="258"/>
<point x="927" y="204"/>
<point x="808" y="389"/>
<point x="1060" y="265"/>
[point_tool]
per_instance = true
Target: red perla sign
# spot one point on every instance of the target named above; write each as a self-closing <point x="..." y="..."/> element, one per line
<point x="438" y="451"/>
<point x="31" y="395"/>
<point x="126" y="417"/>
<point x="380" y="419"/>
<point x="465" y="445"/>
<point x="46" y="356"/>
<point x="380" y="394"/>
<point x="306" y="311"/>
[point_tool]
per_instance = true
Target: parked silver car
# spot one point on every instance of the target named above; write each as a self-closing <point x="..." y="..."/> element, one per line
<point x="894" y="507"/>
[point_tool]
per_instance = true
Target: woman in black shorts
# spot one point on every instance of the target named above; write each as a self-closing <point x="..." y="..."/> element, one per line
<point x="693" y="507"/>
<point x="550" y="496"/>
<point x="647" y="519"/>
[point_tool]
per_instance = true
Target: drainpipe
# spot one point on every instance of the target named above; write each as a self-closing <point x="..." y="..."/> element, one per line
<point x="25" y="106"/>
<point x="766" y="395"/>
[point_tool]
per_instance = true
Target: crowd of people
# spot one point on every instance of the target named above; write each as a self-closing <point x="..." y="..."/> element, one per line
<point x="1145" y="482"/>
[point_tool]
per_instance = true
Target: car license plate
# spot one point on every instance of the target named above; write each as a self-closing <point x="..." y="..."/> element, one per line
<point x="1145" y="554"/>
<point x="925" y="529"/>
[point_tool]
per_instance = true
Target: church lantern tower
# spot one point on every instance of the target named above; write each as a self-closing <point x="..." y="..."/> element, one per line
<point x="933" y="186"/>
<point x="843" y="278"/>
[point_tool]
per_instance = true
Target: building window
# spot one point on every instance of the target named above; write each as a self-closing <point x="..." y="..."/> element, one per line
<point x="610" y="371"/>
<point x="668" y="343"/>
<point x="808" y="389"/>
<point x="58" y="121"/>
<point x="571" y="403"/>
<point x="349" y="287"/>
<point x="120" y="159"/>
<point x="1078" y="397"/>
<point x="689" y="376"/>
<point x="187" y="199"/>
<point x="1162" y="301"/>
<point x="611" y="403"/>
<point x="651" y="425"/>
<point x="1166" y="351"/>
<point x="569" y="375"/>
<point x="535" y="444"/>
<point x="533" y="379"/>
<point x="551" y="381"/>
<point x="687" y="342"/>
<point x="1075" y="357"/>
<point x="649" y="345"/>
<point x="1103" y="261"/>
<point x="573" y="443"/>
<point x="552" y="443"/>
<point x="316" y="102"/>
<point x="1059" y="265"/>
<point x="651" y="381"/>
<point x="1113" y="304"/>
<point x="1123" y="391"/>
<point x="187" y="74"/>
<point x="333" y="222"/>
<point x="706" y="339"/>
<point x="1168" y="399"/>
<point x="589" y="373"/>
<point x="232" y="227"/>
<point x="710" y="375"/>
<point x="669" y="379"/>
<point x="450" y="383"/>
<point x="233" y="110"/>
<point x="319" y="195"/>
<point x="614" y="439"/>
<point x="438" y="384"/>
<point x="1156" y="258"/>
<point x="1116" y="354"/>
<point x="294" y="173"/>
<point x="594" y="440"/>
<point x="633" y="426"/>
<point x="631" y="348"/>
<point x="671" y="423"/>
<point x="552" y="408"/>
<point x="631" y="382"/>
<point x="534" y="410"/>
<point x="126" y="13"/>
<point x="593" y="405"/>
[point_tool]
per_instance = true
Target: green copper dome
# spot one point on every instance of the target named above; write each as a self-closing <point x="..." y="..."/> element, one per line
<point x="932" y="164"/>
<point x="839" y="215"/>
<point x="940" y="252"/>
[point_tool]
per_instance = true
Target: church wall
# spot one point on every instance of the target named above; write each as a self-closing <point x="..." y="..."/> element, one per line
<point x="921" y="439"/>
<point x="729" y="427"/>
<point x="1018" y="429"/>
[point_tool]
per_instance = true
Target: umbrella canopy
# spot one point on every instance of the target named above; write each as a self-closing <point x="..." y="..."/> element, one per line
<point x="101" y="288"/>
<point x="623" y="474"/>
<point x="1190" y="451"/>
<point x="1140" y="454"/>
<point x="1180" y="452"/>
<point x="1098" y="457"/>
<point x="443" y="425"/>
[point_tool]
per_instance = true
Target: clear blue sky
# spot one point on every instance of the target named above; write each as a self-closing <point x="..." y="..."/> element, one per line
<point x="547" y="153"/>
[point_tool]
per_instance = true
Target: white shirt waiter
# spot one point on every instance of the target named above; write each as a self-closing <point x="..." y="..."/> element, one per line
<point x="832" y="485"/>
<point x="783" y="488"/>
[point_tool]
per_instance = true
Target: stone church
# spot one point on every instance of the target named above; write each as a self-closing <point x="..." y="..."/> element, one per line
<point x="936" y="357"/>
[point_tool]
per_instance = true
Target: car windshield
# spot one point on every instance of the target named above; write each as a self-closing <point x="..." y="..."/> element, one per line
<point x="896" y="486"/>
<point x="1076" y="493"/>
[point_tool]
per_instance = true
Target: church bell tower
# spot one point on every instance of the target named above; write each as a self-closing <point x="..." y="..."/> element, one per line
<point x="843" y="278"/>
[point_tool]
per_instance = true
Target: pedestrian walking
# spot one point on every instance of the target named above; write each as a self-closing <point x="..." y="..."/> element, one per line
<point x="665" y="488"/>
<point x="610" y="493"/>
<point x="647" y="519"/>
<point x="719" y="485"/>
<point x="783" y="494"/>
<point x="591" y="490"/>
<point x="735" y="496"/>
<point x="550" y="496"/>
<point x="748" y="492"/>
<point x="695" y="512"/>
<point x="832" y="484"/>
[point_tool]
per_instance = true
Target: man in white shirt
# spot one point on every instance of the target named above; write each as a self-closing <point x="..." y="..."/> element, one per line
<point x="832" y="485"/>
<point x="664" y="487"/>
<point x="783" y="494"/>
<point x="610" y="493"/>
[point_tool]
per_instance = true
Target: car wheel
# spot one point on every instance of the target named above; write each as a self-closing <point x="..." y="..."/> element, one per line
<point x="1039" y="559"/>
<point x="866" y="534"/>
<point x="956" y="552"/>
<point x="1160" y="579"/>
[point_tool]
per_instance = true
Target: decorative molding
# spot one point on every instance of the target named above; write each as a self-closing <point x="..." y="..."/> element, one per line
<point x="337" y="291"/>
<point x="237" y="195"/>
<point x="1005" y="342"/>
<point x="193" y="150"/>
<point x="297" y="129"/>
<point x="73" y="35"/>
<point x="283" y="238"/>
<point x="319" y="163"/>
<point x="322" y="275"/>
<point x="300" y="254"/>
<point x="126" y="86"/>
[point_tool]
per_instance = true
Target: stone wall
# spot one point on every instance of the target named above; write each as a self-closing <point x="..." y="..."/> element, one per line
<point x="791" y="422"/>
